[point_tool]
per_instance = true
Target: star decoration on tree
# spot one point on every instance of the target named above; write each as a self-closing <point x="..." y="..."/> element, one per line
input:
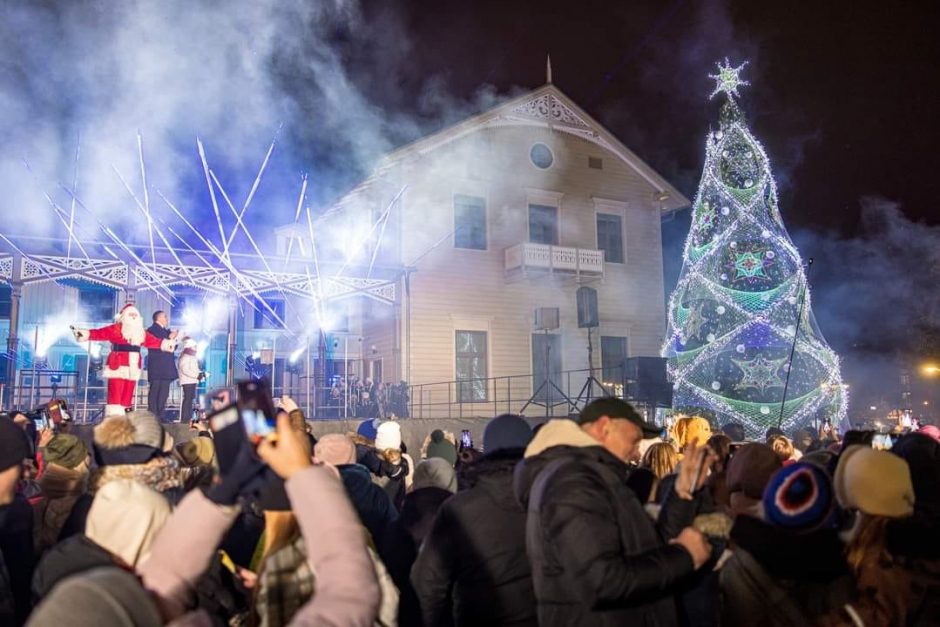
<point x="727" y="79"/>
<point x="749" y="265"/>
<point x="760" y="373"/>
<point x="695" y="323"/>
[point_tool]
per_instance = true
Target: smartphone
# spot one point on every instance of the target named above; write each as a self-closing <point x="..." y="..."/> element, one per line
<point x="228" y="434"/>
<point x="465" y="440"/>
<point x="257" y="411"/>
<point x="42" y="422"/>
<point x="881" y="442"/>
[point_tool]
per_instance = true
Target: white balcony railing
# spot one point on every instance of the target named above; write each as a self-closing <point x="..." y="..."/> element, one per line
<point x="554" y="259"/>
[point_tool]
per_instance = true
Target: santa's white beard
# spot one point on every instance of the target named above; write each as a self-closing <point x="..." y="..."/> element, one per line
<point x="133" y="331"/>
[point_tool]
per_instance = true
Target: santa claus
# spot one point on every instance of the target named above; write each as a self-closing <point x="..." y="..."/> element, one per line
<point x="122" y="370"/>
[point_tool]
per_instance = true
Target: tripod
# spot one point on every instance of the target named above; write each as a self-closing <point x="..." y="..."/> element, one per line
<point x="587" y="390"/>
<point x="552" y="386"/>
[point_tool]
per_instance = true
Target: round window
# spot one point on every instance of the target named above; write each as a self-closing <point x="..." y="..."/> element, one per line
<point x="541" y="156"/>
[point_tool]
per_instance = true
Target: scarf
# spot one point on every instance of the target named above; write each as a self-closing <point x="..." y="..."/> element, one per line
<point x="160" y="473"/>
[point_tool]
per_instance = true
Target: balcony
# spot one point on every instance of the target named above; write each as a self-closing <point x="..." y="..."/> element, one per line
<point x="541" y="258"/>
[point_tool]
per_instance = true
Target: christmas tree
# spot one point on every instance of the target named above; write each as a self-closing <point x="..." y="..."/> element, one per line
<point x="741" y="327"/>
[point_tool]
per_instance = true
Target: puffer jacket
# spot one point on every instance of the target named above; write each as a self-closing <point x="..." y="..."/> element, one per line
<point x="472" y="568"/>
<point x="597" y="558"/>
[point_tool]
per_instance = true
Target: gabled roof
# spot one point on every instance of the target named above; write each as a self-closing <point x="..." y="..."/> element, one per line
<point x="546" y="107"/>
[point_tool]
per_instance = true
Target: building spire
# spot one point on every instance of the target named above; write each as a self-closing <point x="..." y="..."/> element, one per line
<point x="548" y="69"/>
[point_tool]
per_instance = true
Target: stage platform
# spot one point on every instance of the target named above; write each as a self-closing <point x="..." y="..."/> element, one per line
<point x="413" y="430"/>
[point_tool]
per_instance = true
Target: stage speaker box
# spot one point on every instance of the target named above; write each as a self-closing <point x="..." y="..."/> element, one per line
<point x="646" y="381"/>
<point x="587" y="308"/>
<point x="546" y="318"/>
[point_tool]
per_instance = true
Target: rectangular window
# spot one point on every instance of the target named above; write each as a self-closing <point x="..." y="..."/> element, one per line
<point x="96" y="304"/>
<point x="376" y="371"/>
<point x="595" y="163"/>
<point x="469" y="222"/>
<point x="471" y="366"/>
<point x="264" y="319"/>
<point x="543" y="224"/>
<point x="613" y="354"/>
<point x="6" y="300"/>
<point x="610" y="237"/>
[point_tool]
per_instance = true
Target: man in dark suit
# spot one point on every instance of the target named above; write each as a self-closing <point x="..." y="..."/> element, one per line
<point x="161" y="366"/>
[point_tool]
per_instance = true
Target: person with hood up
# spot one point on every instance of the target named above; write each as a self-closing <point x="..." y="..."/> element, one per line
<point x="64" y="480"/>
<point x="472" y="568"/>
<point x="123" y="521"/>
<point x="764" y="582"/>
<point x="396" y="467"/>
<point x="596" y="556"/>
<point x="189" y="371"/>
<point x="16" y="527"/>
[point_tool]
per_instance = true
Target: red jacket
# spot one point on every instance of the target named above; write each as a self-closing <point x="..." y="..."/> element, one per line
<point x="123" y="364"/>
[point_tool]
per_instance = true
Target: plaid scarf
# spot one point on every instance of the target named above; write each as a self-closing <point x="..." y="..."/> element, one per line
<point x="285" y="584"/>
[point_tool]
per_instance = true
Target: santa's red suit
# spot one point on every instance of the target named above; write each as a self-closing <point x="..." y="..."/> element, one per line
<point x="122" y="370"/>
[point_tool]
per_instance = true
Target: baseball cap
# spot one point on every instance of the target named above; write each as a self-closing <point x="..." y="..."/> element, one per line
<point x="618" y="409"/>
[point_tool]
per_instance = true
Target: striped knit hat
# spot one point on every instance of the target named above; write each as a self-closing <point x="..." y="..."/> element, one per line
<point x="799" y="498"/>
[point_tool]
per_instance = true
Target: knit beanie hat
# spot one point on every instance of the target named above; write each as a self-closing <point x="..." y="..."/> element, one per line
<point x="388" y="436"/>
<point x="874" y="482"/>
<point x="125" y="518"/>
<point x="750" y="469"/>
<point x="798" y="498"/>
<point x="198" y="451"/>
<point x="439" y="446"/>
<point x="367" y="429"/>
<point x="14" y="447"/>
<point x="435" y="473"/>
<point x="65" y="450"/>
<point x="336" y="449"/>
<point x="148" y="431"/>
<point x="506" y="432"/>
<point x="103" y="596"/>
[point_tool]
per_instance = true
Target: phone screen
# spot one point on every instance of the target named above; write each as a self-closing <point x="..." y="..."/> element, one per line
<point x="257" y="411"/>
<point x="465" y="440"/>
<point x="42" y="423"/>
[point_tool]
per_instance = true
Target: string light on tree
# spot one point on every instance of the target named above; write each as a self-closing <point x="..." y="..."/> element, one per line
<point x="733" y="315"/>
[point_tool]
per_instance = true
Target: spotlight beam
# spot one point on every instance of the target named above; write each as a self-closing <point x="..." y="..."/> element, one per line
<point x="215" y="204"/>
<point x="59" y="212"/>
<point x="300" y="202"/>
<point x="251" y="193"/>
<point x="78" y="151"/>
<point x="384" y="215"/>
<point x="143" y="178"/>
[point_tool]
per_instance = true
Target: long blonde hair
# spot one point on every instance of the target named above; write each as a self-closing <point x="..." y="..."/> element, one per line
<point x="867" y="542"/>
<point x="661" y="458"/>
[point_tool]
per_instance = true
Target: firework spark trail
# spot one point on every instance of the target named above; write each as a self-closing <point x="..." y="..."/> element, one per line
<point x="117" y="240"/>
<point x="143" y="178"/>
<point x="300" y="202"/>
<point x="107" y="231"/>
<point x="225" y="261"/>
<point x="215" y="204"/>
<point x="251" y="193"/>
<point x="145" y="209"/>
<point x="384" y="216"/>
<point x="251" y="239"/>
<point x="78" y="152"/>
<point x="59" y="212"/>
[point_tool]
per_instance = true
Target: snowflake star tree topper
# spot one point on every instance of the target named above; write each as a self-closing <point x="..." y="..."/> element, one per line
<point x="728" y="79"/>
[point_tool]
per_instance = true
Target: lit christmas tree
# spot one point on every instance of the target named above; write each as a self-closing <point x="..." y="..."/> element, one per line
<point x="733" y="316"/>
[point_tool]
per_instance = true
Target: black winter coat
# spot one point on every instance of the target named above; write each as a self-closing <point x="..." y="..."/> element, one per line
<point x="370" y="501"/>
<point x="776" y="579"/>
<point x="70" y="557"/>
<point x="472" y="568"/>
<point x="597" y="557"/>
<point x="161" y="365"/>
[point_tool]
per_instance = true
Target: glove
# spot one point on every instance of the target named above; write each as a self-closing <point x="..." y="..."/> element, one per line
<point x="168" y="345"/>
<point x="80" y="334"/>
<point x="240" y="479"/>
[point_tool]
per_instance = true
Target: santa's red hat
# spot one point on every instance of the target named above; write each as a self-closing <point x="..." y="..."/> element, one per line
<point x="124" y="309"/>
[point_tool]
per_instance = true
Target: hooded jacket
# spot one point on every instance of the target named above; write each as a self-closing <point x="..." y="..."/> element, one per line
<point x="473" y="569"/>
<point x="596" y="556"/>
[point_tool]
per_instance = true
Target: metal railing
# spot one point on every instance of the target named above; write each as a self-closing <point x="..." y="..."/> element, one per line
<point x="527" y="393"/>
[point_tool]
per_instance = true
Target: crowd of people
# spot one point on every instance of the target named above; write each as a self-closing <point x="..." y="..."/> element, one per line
<point x="365" y="398"/>
<point x="597" y="519"/>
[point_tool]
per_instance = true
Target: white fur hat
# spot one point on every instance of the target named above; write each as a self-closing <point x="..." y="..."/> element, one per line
<point x="388" y="436"/>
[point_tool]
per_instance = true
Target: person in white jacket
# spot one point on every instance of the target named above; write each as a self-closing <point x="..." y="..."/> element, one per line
<point x="188" y="368"/>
